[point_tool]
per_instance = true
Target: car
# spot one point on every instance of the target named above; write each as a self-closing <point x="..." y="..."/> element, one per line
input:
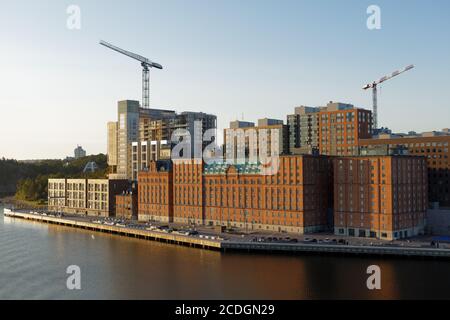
<point x="293" y="240"/>
<point x="192" y="232"/>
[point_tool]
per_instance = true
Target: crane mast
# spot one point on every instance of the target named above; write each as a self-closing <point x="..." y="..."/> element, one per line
<point x="146" y="64"/>
<point x="374" y="86"/>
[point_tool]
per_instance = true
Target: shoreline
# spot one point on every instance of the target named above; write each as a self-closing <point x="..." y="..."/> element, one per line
<point x="238" y="246"/>
<point x="23" y="204"/>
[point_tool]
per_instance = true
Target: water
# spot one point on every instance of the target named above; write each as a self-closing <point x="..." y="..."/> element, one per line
<point x="34" y="258"/>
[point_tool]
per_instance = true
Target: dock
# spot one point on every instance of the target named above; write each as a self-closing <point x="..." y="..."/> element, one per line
<point x="239" y="246"/>
<point x="122" y="231"/>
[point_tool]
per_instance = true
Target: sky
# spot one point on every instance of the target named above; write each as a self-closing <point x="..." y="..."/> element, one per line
<point x="237" y="59"/>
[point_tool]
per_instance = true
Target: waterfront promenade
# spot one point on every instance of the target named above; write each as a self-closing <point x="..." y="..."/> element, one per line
<point x="235" y="244"/>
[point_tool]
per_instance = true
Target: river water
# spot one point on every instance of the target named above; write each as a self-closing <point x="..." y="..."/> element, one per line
<point x="34" y="258"/>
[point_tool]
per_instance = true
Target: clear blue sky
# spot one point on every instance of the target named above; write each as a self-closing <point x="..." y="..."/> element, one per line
<point x="58" y="87"/>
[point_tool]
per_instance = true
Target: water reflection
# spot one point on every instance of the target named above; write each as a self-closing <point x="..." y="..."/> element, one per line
<point x="34" y="258"/>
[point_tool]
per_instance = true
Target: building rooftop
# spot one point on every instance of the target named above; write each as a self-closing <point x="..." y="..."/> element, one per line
<point x="222" y="168"/>
<point x="387" y="134"/>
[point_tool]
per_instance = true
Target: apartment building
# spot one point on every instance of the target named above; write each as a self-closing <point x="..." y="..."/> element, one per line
<point x="188" y="197"/>
<point x="434" y="146"/>
<point x="296" y="199"/>
<point x="127" y="205"/>
<point x="340" y="128"/>
<point x="155" y="192"/>
<point x="76" y="195"/>
<point x="144" y="152"/>
<point x="120" y="136"/>
<point x="244" y="141"/>
<point x="56" y="194"/>
<point x="303" y="130"/>
<point x="112" y="145"/>
<point x="331" y="130"/>
<point x="94" y="197"/>
<point x="143" y="135"/>
<point x="381" y="197"/>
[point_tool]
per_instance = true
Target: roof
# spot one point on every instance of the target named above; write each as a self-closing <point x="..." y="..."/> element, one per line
<point x="222" y="168"/>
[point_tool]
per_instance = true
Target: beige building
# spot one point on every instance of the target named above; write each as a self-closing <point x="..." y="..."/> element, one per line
<point x="93" y="197"/>
<point x="244" y="139"/>
<point x="76" y="195"/>
<point x="112" y="145"/>
<point x="143" y="152"/>
<point x="56" y="194"/>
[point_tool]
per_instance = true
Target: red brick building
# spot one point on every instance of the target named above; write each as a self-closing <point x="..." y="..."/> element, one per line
<point x="127" y="205"/>
<point x="296" y="199"/>
<point x="340" y="128"/>
<point x="436" y="150"/>
<point x="188" y="197"/>
<point x="380" y="196"/>
<point x="155" y="192"/>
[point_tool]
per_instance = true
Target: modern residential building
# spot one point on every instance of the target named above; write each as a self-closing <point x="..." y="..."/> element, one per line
<point x="79" y="152"/>
<point x="381" y="197"/>
<point x="143" y="135"/>
<point x="340" y="128"/>
<point x="303" y="130"/>
<point x="127" y="132"/>
<point x="57" y="197"/>
<point x="161" y="132"/>
<point x="155" y="192"/>
<point x="434" y="146"/>
<point x="112" y="145"/>
<point x="76" y="195"/>
<point x="197" y="123"/>
<point x="95" y="197"/>
<point x="144" y="152"/>
<point x="331" y="130"/>
<point x="244" y="141"/>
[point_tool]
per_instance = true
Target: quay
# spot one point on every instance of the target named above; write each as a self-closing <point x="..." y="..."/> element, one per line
<point x="123" y="231"/>
<point x="234" y="245"/>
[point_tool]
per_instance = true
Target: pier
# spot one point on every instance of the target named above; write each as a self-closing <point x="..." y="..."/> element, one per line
<point x="239" y="246"/>
<point x="122" y="231"/>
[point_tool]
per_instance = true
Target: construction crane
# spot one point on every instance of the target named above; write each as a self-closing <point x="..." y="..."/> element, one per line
<point x="146" y="65"/>
<point x="374" y="86"/>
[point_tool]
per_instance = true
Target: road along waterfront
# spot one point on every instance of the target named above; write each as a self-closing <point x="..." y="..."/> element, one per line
<point x="236" y="245"/>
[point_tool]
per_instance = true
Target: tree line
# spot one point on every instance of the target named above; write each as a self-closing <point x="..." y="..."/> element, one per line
<point x="28" y="180"/>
